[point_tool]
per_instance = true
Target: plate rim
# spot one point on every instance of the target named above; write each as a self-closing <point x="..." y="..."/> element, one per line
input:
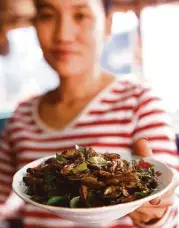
<point x="95" y="209"/>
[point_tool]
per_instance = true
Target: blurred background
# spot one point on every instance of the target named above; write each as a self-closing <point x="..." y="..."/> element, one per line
<point x="144" y="45"/>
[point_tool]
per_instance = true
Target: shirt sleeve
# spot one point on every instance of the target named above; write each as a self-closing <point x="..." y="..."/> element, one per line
<point x="153" y="122"/>
<point x="7" y="164"/>
<point x="9" y="201"/>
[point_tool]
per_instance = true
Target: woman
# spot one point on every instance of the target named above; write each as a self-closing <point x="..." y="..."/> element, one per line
<point x="90" y="107"/>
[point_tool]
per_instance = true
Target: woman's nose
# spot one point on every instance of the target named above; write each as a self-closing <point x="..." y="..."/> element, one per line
<point x="66" y="30"/>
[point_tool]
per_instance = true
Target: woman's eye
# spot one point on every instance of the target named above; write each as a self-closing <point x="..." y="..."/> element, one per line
<point x="45" y="16"/>
<point x="80" y="16"/>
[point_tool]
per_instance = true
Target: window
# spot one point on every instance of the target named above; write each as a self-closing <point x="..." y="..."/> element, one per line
<point x="23" y="73"/>
<point x="118" y="54"/>
<point x="160" y="35"/>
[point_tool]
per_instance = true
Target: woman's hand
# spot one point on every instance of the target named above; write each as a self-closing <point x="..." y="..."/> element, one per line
<point x="154" y="210"/>
<point x="8" y="213"/>
<point x="12" y="208"/>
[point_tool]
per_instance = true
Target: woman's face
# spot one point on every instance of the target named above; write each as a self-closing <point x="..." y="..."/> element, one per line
<point x="71" y="33"/>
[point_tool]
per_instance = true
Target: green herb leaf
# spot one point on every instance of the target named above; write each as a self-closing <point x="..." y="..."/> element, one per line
<point x="74" y="202"/>
<point x="81" y="168"/>
<point x="49" y="177"/>
<point x="55" y="200"/>
<point x="81" y="149"/>
<point x="98" y="161"/>
<point x="142" y="194"/>
<point x="60" y="158"/>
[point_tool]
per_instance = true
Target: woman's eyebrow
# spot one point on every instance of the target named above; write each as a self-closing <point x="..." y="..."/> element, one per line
<point x="41" y="5"/>
<point x="80" y="6"/>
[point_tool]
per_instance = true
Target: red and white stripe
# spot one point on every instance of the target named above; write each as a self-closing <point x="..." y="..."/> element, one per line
<point x="121" y="114"/>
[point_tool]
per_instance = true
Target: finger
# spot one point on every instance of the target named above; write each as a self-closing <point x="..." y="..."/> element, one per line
<point x="145" y="218"/>
<point x="149" y="214"/>
<point x="156" y="201"/>
<point x="164" y="203"/>
<point x="141" y="148"/>
<point x="135" y="216"/>
<point x="153" y="213"/>
<point x="140" y="217"/>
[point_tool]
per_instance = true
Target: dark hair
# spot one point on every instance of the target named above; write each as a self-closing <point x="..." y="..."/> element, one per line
<point x="107" y="4"/>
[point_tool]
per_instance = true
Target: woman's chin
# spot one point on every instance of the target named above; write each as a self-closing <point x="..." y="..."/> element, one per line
<point x="69" y="70"/>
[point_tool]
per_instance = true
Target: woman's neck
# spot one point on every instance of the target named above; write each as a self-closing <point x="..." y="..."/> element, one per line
<point x="78" y="88"/>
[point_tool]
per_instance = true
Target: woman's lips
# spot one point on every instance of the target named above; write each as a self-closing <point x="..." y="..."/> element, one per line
<point x="64" y="54"/>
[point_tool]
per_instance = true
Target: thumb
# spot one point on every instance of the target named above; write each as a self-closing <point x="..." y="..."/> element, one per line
<point x="141" y="148"/>
<point x="156" y="201"/>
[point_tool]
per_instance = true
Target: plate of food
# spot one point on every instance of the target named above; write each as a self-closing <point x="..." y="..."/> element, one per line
<point x="84" y="186"/>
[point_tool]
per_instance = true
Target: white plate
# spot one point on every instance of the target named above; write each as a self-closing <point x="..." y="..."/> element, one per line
<point x="100" y="214"/>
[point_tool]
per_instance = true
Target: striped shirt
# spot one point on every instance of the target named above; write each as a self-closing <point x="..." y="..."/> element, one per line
<point x="119" y="115"/>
